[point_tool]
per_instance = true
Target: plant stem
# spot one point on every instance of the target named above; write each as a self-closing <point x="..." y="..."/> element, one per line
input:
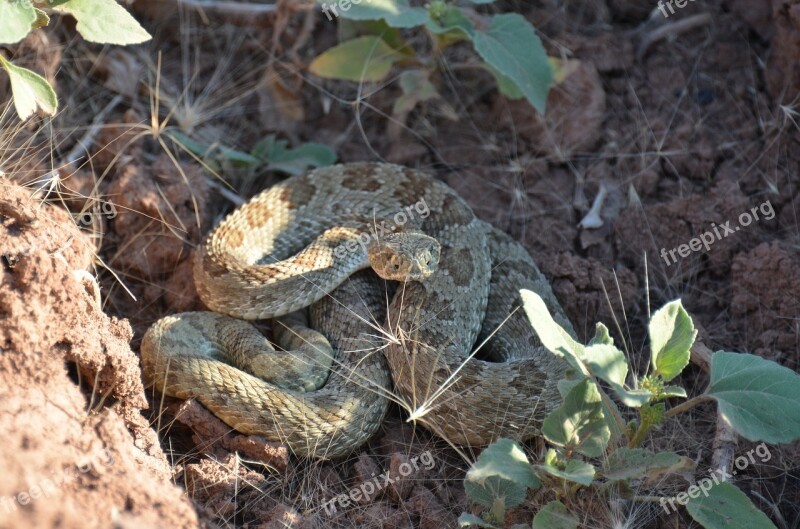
<point x="691" y="403"/>
<point x="641" y="432"/>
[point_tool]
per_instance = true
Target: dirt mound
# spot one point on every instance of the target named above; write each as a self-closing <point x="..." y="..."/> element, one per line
<point x="76" y="450"/>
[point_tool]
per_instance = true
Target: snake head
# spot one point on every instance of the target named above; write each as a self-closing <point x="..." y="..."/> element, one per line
<point x="409" y="256"/>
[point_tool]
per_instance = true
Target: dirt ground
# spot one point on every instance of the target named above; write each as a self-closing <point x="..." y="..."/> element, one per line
<point x="681" y="131"/>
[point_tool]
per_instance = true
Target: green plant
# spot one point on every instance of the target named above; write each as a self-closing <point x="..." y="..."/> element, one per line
<point x="372" y="43"/>
<point x="102" y="21"/>
<point x="269" y="153"/>
<point x="758" y="397"/>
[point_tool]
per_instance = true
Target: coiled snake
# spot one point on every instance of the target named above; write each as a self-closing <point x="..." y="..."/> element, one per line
<point x="308" y="241"/>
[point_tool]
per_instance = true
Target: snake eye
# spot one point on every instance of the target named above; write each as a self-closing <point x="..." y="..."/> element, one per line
<point x="395" y="263"/>
<point x="426" y="257"/>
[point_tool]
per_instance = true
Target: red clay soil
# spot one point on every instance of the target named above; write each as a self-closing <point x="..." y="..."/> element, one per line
<point x="70" y="457"/>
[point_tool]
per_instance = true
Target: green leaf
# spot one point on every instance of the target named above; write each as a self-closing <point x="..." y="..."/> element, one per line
<point x="41" y="19"/>
<point x="103" y="21"/>
<point x="672" y="334"/>
<point x="17" y="18"/>
<point x="673" y="391"/>
<point x="396" y="13"/>
<point x="633" y="398"/>
<point x="551" y="334"/>
<point x="466" y="519"/>
<point x="447" y="18"/>
<point x="505" y="84"/>
<point x="30" y="91"/>
<point x="366" y="58"/>
<point x="629" y="463"/>
<point x="189" y="144"/>
<point x="554" y="515"/>
<point x="607" y="362"/>
<point x="501" y="472"/>
<point x="575" y="471"/>
<point x="292" y="161"/>
<point x="758" y="397"/>
<point x="726" y="507"/>
<point x="601" y="335"/>
<point x="416" y="88"/>
<point x="579" y="423"/>
<point x="511" y="45"/>
<point x="350" y="29"/>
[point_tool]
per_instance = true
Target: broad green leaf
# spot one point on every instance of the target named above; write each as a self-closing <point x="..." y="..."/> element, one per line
<point x="724" y="507"/>
<point x="554" y="515"/>
<point x="493" y="489"/>
<point x="103" y="21"/>
<point x="629" y="463"/>
<point x="551" y="334"/>
<point x="30" y="91"/>
<point x="367" y="58"/>
<point x="758" y="397"/>
<point x="575" y="471"/>
<point x="633" y="398"/>
<point x="511" y="45"/>
<point x="579" y="423"/>
<point x="565" y="386"/>
<point x="609" y="363"/>
<point x="506" y="459"/>
<point x="16" y="20"/>
<point x="396" y="13"/>
<point x="502" y="471"/>
<point x="466" y="519"/>
<point x="292" y="161"/>
<point x="672" y="334"/>
<point x="601" y="335"/>
<point x="606" y="362"/>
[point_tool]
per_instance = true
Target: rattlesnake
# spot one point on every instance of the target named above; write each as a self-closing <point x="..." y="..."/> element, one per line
<point x="287" y="248"/>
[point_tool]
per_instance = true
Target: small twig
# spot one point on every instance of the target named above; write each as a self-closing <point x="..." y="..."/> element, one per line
<point x="249" y="15"/>
<point x="227" y="193"/>
<point x="670" y="29"/>
<point x="691" y="403"/>
<point x="230" y="8"/>
<point x="724" y="446"/>
<point x="776" y="512"/>
<point x="701" y="355"/>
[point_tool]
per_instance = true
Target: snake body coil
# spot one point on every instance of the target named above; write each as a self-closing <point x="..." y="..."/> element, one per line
<point x="304" y="243"/>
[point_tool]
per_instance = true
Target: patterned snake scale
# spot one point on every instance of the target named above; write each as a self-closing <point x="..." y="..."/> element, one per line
<point x="287" y="249"/>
